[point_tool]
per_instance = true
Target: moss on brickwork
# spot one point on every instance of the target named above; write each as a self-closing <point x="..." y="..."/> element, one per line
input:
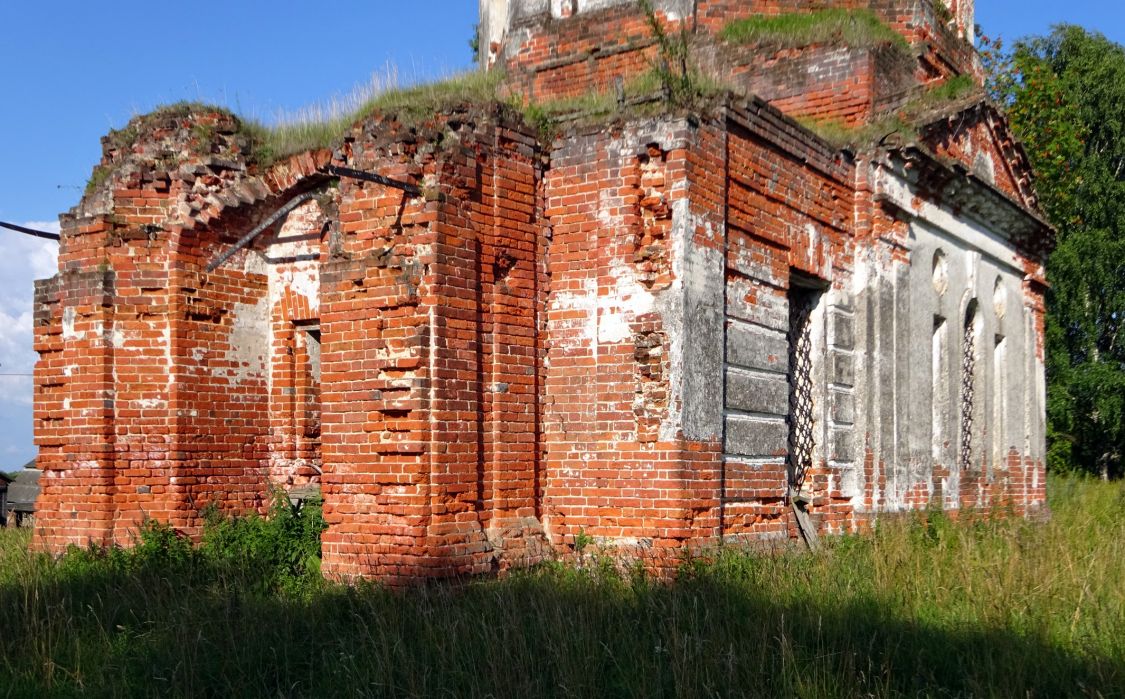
<point x="905" y="122"/>
<point x="422" y="101"/>
<point x="859" y="28"/>
<point x="100" y="174"/>
<point x="642" y="96"/>
<point x="263" y="145"/>
<point x="842" y="135"/>
<point x="409" y="105"/>
<point x="166" y="137"/>
<point x="950" y="90"/>
<point x="125" y="138"/>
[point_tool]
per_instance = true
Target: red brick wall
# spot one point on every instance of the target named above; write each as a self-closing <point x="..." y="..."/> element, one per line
<point x="981" y="139"/>
<point x="617" y="466"/>
<point x="74" y="427"/>
<point x="429" y="328"/>
<point x="581" y="54"/>
<point x="790" y="204"/>
<point x="148" y="406"/>
<point x="550" y="58"/>
<point x="292" y="260"/>
<point x="508" y="360"/>
<point x="103" y="415"/>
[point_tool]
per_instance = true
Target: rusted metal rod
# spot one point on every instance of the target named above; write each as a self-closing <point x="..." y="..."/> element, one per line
<point x="30" y="231"/>
<point x="412" y="190"/>
<point x="257" y="230"/>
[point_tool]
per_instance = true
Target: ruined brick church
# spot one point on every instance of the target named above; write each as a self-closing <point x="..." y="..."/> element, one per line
<point x="658" y="330"/>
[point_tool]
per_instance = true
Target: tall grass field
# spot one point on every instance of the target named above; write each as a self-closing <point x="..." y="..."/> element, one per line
<point x="923" y="607"/>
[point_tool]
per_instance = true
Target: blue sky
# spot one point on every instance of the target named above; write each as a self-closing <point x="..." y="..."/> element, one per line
<point x="74" y="69"/>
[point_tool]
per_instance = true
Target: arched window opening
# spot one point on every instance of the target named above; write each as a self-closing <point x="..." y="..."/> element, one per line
<point x="939" y="393"/>
<point x="940" y="273"/>
<point x="999" y="399"/>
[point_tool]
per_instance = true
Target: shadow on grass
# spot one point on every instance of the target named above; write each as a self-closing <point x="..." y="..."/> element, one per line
<point x="190" y="629"/>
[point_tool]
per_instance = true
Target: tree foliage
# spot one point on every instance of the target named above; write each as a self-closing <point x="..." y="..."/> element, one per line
<point x="1065" y="96"/>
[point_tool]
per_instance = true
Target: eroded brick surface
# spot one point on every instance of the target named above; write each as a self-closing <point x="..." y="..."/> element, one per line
<point x="566" y="49"/>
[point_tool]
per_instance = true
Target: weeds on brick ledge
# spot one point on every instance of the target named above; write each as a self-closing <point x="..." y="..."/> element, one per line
<point x="673" y="66"/>
<point x="671" y="83"/>
<point x="323" y="126"/>
<point x="904" y="122"/>
<point x="832" y="27"/>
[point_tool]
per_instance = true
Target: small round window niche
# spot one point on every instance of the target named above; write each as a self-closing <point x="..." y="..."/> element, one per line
<point x="1000" y="298"/>
<point x="941" y="273"/>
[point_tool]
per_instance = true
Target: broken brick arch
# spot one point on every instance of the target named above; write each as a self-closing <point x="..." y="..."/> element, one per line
<point x="239" y="343"/>
<point x="422" y="312"/>
<point x="170" y="422"/>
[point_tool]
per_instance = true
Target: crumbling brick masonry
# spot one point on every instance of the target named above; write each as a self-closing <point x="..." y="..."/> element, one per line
<point x="664" y="329"/>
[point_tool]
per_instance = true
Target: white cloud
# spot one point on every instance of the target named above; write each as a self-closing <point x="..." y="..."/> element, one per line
<point x="48" y="226"/>
<point x="23" y="259"/>
<point x="15" y="390"/>
<point x="43" y="256"/>
<point x="15" y="340"/>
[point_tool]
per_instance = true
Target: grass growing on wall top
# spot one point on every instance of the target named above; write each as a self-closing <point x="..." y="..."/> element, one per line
<point x="322" y="126"/>
<point x="325" y="125"/>
<point x="905" y="121"/>
<point x="835" y="27"/>
<point x="950" y="90"/>
<point x="925" y="607"/>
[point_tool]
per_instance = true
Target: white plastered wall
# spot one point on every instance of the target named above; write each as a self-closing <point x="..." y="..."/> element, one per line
<point x="909" y="416"/>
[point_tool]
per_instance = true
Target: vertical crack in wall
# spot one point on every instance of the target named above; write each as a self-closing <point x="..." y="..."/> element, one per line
<point x="650" y="254"/>
<point x="651" y="400"/>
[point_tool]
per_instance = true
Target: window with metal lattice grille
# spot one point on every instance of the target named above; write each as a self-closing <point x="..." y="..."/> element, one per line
<point x="802" y="303"/>
<point x="968" y="386"/>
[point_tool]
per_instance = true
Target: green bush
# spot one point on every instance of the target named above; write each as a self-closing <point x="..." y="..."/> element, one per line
<point x="275" y="554"/>
<point x="280" y="552"/>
